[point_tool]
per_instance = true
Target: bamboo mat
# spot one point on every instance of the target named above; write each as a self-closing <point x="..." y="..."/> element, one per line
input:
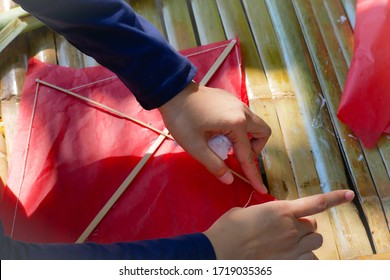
<point x="296" y="56"/>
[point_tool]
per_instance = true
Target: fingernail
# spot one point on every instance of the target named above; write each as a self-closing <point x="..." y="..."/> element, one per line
<point x="349" y="195"/>
<point x="227" y="178"/>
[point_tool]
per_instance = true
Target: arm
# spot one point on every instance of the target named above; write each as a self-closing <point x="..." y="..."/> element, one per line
<point x="122" y="41"/>
<point x="185" y="247"/>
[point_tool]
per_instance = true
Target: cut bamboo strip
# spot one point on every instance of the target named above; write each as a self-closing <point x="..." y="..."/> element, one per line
<point x="42" y="45"/>
<point x="178" y="24"/>
<point x="7" y="16"/>
<point x="67" y="54"/>
<point x="10" y="32"/>
<point x="341" y="27"/>
<point x="350" y="9"/>
<point x="114" y="198"/>
<point x="104" y="107"/>
<point x="9" y="111"/>
<point x="208" y="22"/>
<point x="384" y="149"/>
<point x="332" y="93"/>
<point x="3" y="162"/>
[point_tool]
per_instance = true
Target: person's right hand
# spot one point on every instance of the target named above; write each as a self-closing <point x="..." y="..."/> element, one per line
<point x="273" y="230"/>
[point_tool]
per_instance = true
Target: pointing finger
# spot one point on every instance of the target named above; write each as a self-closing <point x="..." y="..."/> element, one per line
<point x="311" y="205"/>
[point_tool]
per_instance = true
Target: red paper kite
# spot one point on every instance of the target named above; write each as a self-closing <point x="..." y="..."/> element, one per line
<point x="70" y="157"/>
<point x="365" y="104"/>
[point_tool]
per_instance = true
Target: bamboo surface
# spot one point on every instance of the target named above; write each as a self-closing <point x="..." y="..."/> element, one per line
<point x="296" y="55"/>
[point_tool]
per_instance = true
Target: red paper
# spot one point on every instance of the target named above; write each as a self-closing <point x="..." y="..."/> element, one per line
<point x="78" y="155"/>
<point x="365" y="102"/>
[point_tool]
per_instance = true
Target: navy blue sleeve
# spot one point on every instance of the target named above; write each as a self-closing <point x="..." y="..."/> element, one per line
<point x="122" y="41"/>
<point x="185" y="247"/>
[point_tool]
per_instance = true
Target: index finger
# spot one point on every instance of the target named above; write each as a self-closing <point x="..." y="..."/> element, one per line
<point x="315" y="204"/>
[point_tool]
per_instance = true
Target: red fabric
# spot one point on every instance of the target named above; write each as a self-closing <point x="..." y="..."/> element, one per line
<point x="79" y="155"/>
<point x="365" y="102"/>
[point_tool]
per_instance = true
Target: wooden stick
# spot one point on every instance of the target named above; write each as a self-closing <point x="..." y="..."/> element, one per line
<point x="153" y="148"/>
<point x="104" y="107"/>
<point x="10" y="32"/>
<point x="217" y="63"/>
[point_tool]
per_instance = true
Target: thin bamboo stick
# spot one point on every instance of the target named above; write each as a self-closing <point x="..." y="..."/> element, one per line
<point x="152" y="149"/>
<point x="10" y="32"/>
<point x="217" y="63"/>
<point x="104" y="107"/>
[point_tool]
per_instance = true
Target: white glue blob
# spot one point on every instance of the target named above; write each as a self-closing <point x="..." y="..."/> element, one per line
<point x="220" y="145"/>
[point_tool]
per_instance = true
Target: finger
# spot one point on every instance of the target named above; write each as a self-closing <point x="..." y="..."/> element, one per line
<point x="259" y="131"/>
<point x="306" y="226"/>
<point x="311" y="205"/>
<point x="246" y="156"/>
<point x="214" y="164"/>
<point x="310" y="242"/>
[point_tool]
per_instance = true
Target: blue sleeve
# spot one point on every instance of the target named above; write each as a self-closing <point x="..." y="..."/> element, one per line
<point x="122" y="41"/>
<point x="185" y="247"/>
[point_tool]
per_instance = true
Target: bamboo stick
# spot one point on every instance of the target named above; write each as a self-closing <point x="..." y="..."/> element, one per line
<point x="10" y="32"/>
<point x="7" y="16"/>
<point x="3" y="162"/>
<point x="67" y="54"/>
<point x="178" y="24"/>
<point x="350" y="9"/>
<point x="152" y="149"/>
<point x="104" y="107"/>
<point x="341" y="27"/>
<point x="208" y="22"/>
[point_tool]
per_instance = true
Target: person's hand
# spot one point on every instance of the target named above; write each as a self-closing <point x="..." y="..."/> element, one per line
<point x="198" y="113"/>
<point x="273" y="230"/>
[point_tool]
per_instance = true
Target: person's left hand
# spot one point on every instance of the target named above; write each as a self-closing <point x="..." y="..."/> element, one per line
<point x="198" y="113"/>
